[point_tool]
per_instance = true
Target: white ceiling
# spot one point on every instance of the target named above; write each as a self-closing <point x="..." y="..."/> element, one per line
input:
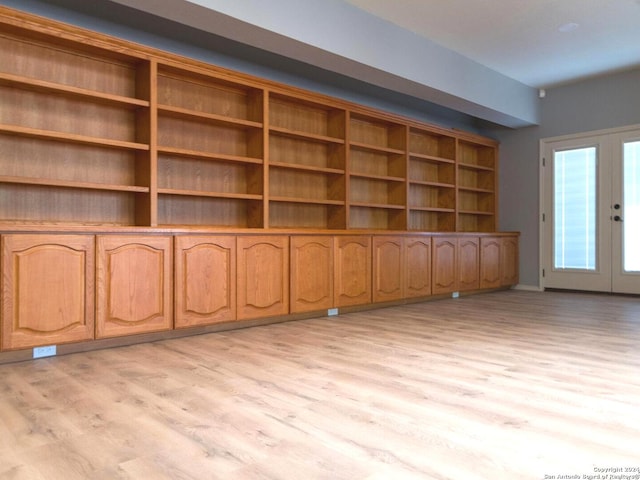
<point x="523" y="39"/>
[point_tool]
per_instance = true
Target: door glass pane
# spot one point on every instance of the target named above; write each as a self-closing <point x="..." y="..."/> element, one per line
<point x="575" y="208"/>
<point x="631" y="225"/>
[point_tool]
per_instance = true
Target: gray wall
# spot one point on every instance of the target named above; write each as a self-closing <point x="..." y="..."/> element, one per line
<point x="598" y="103"/>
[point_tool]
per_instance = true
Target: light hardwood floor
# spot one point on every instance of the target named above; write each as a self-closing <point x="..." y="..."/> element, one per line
<point x="505" y="385"/>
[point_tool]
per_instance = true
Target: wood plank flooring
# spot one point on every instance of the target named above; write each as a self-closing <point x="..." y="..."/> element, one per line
<point x="505" y="385"/>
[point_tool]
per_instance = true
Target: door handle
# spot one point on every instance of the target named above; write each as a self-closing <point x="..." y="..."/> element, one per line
<point x="617" y="218"/>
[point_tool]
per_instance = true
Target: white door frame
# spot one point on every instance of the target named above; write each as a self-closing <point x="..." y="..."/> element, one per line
<point x="541" y="182"/>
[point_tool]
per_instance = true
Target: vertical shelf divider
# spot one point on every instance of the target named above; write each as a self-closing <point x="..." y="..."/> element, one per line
<point x="147" y="165"/>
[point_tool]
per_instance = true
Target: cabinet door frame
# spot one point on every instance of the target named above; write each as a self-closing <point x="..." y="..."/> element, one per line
<point x="444" y="275"/>
<point x="356" y="290"/>
<point x="312" y="283"/>
<point x="262" y="287"/>
<point x="415" y="270"/>
<point x="195" y="304"/>
<point x="18" y="248"/>
<point x="154" y="318"/>
<point x="389" y="268"/>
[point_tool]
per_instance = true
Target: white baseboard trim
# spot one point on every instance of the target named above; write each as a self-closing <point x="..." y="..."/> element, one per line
<point x="528" y="288"/>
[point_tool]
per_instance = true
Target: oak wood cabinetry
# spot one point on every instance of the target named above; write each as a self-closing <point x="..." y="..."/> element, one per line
<point x="352" y="270"/>
<point x="509" y="261"/>
<point x="490" y="260"/>
<point x="401" y="267"/>
<point x="134" y="285"/>
<point x="444" y="265"/>
<point x="418" y="266"/>
<point x="263" y="276"/>
<point x="205" y="279"/>
<point x="47" y="289"/>
<point x="499" y="261"/>
<point x="468" y="263"/>
<point x="312" y="273"/>
<point x="116" y="158"/>
<point x="389" y="268"/>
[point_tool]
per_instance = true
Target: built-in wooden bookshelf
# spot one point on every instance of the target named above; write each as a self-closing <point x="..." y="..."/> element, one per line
<point x="432" y="181"/>
<point x="98" y="131"/>
<point x="307" y="172"/>
<point x="377" y="173"/>
<point x="143" y="193"/>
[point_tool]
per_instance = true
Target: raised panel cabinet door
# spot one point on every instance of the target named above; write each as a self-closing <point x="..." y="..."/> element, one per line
<point x="311" y="273"/>
<point x="263" y="276"/>
<point x="490" y="253"/>
<point x="468" y="263"/>
<point x="205" y="280"/>
<point x="418" y="267"/>
<point x="47" y="289"/>
<point x="353" y="270"/>
<point x="388" y="268"/>
<point x="509" y="262"/>
<point x="445" y="265"/>
<point x="134" y="285"/>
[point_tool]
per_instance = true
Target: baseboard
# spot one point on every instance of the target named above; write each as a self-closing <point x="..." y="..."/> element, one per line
<point x="528" y="288"/>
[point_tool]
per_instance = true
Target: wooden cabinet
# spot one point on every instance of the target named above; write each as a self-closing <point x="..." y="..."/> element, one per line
<point x="509" y="261"/>
<point x="444" y="265"/>
<point x="47" y="289"/>
<point x="312" y="273"/>
<point x="352" y="270"/>
<point x="134" y="285"/>
<point x="205" y="280"/>
<point x="389" y="268"/>
<point x="263" y="276"/>
<point x="490" y="262"/>
<point x="468" y="263"/>
<point x="418" y="266"/>
<point x="499" y="261"/>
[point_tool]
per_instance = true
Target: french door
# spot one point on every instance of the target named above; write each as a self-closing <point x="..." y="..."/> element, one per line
<point x="591" y="212"/>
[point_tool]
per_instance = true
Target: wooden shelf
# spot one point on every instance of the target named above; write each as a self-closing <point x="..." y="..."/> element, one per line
<point x="377" y="177"/>
<point x="197" y="193"/>
<point x="306" y="200"/>
<point x="384" y="206"/>
<point x="470" y="166"/>
<point x="432" y="184"/>
<point x="431" y="209"/>
<point x="474" y="212"/>
<point x="42" y="86"/>
<point x="375" y="148"/>
<point x="430" y="158"/>
<point x="70" y="184"/>
<point x="70" y="138"/>
<point x="295" y="166"/>
<point x="178" y="112"/>
<point x="474" y="189"/>
<point x="183" y="152"/>
<point x="305" y="135"/>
